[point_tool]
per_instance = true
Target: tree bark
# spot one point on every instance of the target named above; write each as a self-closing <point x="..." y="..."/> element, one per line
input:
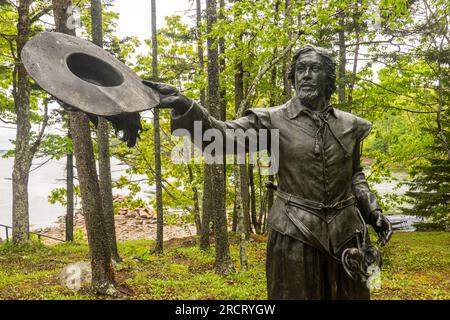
<point x="69" y="191"/>
<point x="206" y="198"/>
<point x="201" y="61"/>
<point x="103" y="278"/>
<point x="103" y="129"/>
<point x="234" y="222"/>
<point x="157" y="136"/>
<point x="197" y="219"/>
<point x="243" y="179"/>
<point x="272" y="102"/>
<point x="223" y="260"/>
<point x="241" y="228"/>
<point x="355" y="70"/>
<point x="342" y="64"/>
<point x="262" y="202"/>
<point x="287" y="86"/>
<point x="252" y="196"/>
<point x="23" y="155"/>
<point x="222" y="66"/>
<point x="206" y="208"/>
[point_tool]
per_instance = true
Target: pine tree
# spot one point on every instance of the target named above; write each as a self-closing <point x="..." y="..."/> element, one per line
<point x="429" y="190"/>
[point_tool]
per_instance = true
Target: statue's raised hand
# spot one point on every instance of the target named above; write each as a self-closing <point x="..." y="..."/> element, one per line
<point x="170" y="97"/>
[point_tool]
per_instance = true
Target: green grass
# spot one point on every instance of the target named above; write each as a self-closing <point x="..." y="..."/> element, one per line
<point x="415" y="266"/>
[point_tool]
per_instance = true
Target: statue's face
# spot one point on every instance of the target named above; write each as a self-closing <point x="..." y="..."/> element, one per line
<point x="310" y="76"/>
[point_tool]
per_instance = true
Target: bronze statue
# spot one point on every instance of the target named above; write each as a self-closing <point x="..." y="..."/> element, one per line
<point x="323" y="200"/>
<point x="318" y="247"/>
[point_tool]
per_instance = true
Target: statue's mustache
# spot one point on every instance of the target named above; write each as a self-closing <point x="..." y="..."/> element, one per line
<point x="307" y="85"/>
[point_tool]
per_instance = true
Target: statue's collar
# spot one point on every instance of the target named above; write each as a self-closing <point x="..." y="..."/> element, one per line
<point x="295" y="107"/>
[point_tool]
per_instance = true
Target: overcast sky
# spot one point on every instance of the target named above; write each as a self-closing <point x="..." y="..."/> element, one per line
<point x="134" y="20"/>
<point x="135" y="15"/>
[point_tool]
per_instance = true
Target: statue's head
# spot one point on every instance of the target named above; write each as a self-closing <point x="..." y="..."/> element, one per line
<point x="313" y="73"/>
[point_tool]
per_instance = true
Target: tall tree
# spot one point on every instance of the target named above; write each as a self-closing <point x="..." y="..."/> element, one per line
<point x="70" y="189"/>
<point x="103" y="129"/>
<point x="342" y="62"/>
<point x="23" y="156"/>
<point x="242" y="181"/>
<point x="206" y="201"/>
<point x="157" y="137"/>
<point x="201" y="62"/>
<point x="242" y="210"/>
<point x="287" y="87"/>
<point x="218" y="208"/>
<point x="103" y="275"/>
<point x="24" y="147"/>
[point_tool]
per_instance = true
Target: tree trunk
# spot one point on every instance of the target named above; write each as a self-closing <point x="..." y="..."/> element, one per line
<point x="158" y="173"/>
<point x="222" y="66"/>
<point x="197" y="219"/>
<point x="23" y="155"/>
<point x="234" y="222"/>
<point x="262" y="203"/>
<point x="70" y="193"/>
<point x="243" y="179"/>
<point x="206" y="208"/>
<point x="241" y="228"/>
<point x="272" y="102"/>
<point x="217" y="174"/>
<point x="355" y="70"/>
<point x="245" y="196"/>
<point x="240" y="172"/>
<point x="103" y="129"/>
<point x="200" y="48"/>
<point x="206" y="199"/>
<point x="342" y="64"/>
<point x="270" y="200"/>
<point x="103" y="278"/>
<point x="287" y="86"/>
<point x="252" y="195"/>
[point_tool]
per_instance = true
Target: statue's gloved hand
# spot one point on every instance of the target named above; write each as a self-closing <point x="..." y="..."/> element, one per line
<point x="170" y="97"/>
<point x="382" y="227"/>
<point x="127" y="123"/>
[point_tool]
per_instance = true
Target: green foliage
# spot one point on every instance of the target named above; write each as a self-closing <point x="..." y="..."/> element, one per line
<point x="59" y="195"/>
<point x="430" y="192"/>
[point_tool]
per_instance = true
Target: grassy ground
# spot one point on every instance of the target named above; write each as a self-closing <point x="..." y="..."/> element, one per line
<point x="416" y="266"/>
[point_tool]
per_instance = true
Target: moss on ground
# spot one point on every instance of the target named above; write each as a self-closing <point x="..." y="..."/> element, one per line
<point x="415" y="266"/>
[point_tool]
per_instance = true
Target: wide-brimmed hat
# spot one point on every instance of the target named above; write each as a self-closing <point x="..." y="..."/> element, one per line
<point x="85" y="76"/>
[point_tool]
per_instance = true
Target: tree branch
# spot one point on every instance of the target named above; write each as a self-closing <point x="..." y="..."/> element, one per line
<point x="38" y="141"/>
<point x="7" y="122"/>
<point x="261" y="73"/>
<point x="413" y="99"/>
<point x="39" y="15"/>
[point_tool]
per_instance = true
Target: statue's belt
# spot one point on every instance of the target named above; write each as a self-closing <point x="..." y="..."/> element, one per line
<point x="313" y="205"/>
<point x="317" y="221"/>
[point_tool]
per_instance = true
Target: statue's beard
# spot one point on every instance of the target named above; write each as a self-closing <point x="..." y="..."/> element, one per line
<point x="308" y="95"/>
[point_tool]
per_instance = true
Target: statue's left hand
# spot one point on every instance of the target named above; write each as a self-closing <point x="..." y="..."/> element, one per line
<point x="382" y="227"/>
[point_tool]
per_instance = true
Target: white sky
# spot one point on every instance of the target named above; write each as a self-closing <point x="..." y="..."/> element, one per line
<point x="135" y="16"/>
<point x="134" y="20"/>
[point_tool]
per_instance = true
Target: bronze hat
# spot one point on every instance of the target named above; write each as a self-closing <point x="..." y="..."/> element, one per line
<point x="85" y="76"/>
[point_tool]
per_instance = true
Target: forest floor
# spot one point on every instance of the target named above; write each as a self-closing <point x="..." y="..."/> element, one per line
<point x="416" y="265"/>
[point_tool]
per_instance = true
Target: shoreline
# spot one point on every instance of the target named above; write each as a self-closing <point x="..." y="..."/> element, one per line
<point x="137" y="224"/>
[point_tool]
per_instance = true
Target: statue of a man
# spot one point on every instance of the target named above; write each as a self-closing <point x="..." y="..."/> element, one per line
<point x="323" y="200"/>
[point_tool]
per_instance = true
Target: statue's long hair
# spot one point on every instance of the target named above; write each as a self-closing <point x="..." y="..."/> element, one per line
<point x="330" y="67"/>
